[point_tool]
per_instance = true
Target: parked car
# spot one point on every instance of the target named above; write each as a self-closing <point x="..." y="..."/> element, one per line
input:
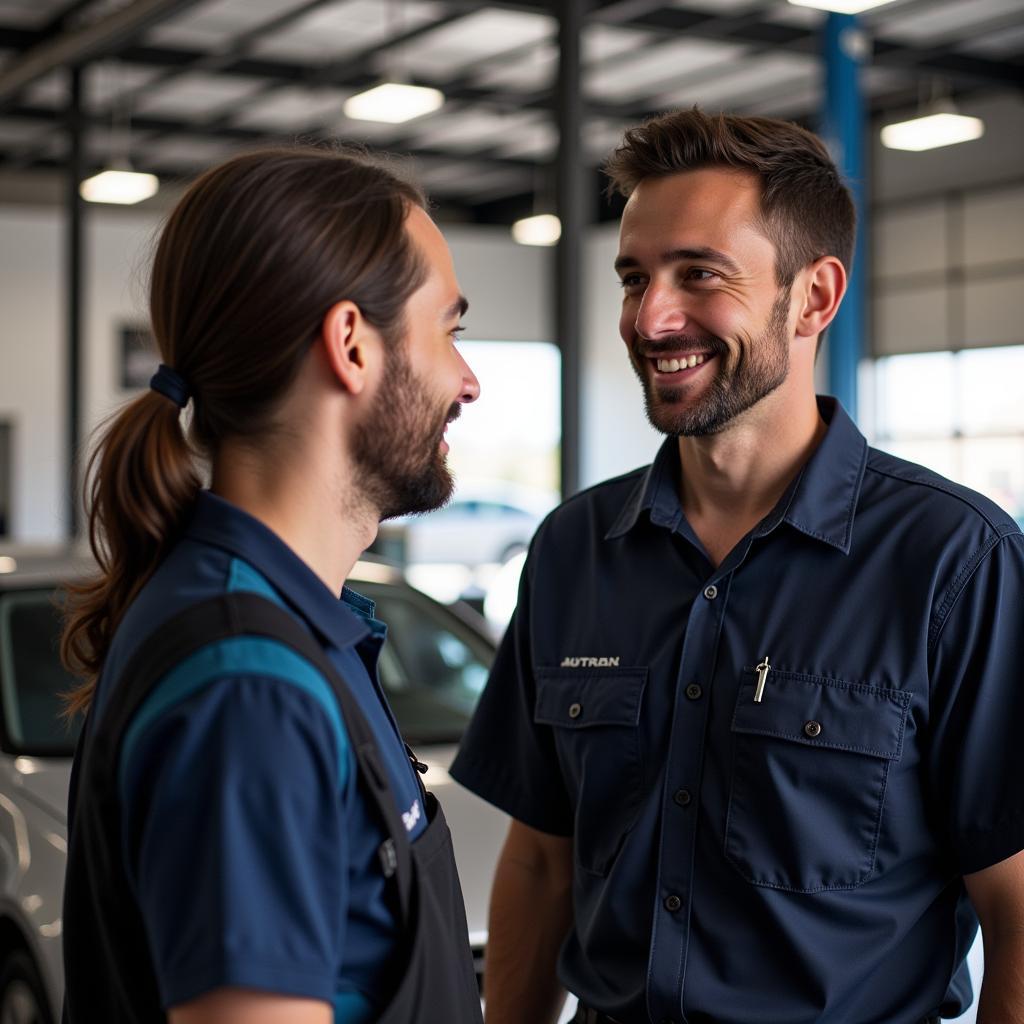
<point x="480" y="526"/>
<point x="433" y="668"/>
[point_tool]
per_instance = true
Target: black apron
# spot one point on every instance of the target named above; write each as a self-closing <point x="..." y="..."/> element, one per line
<point x="109" y="977"/>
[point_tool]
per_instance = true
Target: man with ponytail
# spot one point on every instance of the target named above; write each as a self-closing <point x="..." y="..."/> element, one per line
<point x="248" y="839"/>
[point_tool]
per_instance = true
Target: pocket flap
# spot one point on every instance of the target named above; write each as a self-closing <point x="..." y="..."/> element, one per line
<point x="821" y="712"/>
<point x="578" y="699"/>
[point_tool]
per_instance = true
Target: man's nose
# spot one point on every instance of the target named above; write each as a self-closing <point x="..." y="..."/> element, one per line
<point x="661" y="312"/>
<point x="470" y="385"/>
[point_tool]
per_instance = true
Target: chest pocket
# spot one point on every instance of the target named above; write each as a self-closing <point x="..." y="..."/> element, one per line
<point x="810" y="765"/>
<point x="595" y="720"/>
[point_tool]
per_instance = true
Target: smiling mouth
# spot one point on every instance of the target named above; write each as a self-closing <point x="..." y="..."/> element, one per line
<point x="682" y="363"/>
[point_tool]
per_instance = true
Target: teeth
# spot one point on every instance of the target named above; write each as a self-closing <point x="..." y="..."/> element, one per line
<point x="673" y="365"/>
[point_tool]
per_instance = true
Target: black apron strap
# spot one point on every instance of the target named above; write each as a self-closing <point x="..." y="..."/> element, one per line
<point x="229" y="615"/>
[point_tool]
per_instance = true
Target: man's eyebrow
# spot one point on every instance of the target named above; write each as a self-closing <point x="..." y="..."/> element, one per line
<point x="678" y="255"/>
<point x="457" y="309"/>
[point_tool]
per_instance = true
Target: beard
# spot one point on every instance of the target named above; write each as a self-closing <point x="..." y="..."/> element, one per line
<point x="757" y="373"/>
<point x="400" y="468"/>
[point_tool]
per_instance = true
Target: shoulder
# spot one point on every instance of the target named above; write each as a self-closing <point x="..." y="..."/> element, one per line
<point x="938" y="501"/>
<point x="938" y="531"/>
<point x="596" y="509"/>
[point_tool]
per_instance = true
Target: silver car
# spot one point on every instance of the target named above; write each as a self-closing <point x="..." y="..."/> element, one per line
<point x="433" y="669"/>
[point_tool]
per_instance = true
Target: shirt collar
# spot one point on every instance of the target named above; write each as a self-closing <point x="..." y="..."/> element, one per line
<point x="218" y="522"/>
<point x="820" y="503"/>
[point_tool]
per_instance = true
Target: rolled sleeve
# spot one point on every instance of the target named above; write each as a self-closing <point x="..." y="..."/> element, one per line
<point x="977" y="710"/>
<point x="506" y="757"/>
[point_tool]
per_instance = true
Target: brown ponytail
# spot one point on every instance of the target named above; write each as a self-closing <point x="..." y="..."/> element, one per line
<point x="142" y="481"/>
<point x="248" y="264"/>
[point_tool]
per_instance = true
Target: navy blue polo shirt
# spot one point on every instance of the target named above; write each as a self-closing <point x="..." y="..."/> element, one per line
<point x="252" y="853"/>
<point x="790" y="860"/>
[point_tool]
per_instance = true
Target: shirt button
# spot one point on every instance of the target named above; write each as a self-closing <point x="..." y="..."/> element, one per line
<point x="575" y="710"/>
<point x="694" y="692"/>
<point x="682" y="797"/>
<point x="812" y="729"/>
<point x="673" y="903"/>
<point x="711" y="592"/>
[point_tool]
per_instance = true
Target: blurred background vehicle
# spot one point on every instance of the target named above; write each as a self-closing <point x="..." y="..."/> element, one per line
<point x="476" y="543"/>
<point x="433" y="669"/>
<point x="480" y="525"/>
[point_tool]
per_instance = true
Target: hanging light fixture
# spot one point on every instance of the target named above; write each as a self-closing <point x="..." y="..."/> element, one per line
<point x="841" y="6"/>
<point x="122" y="186"/>
<point x="119" y="183"/>
<point x="938" y="122"/>
<point x="931" y="131"/>
<point x="393" y="103"/>
<point x="540" y="229"/>
<point x="394" y="100"/>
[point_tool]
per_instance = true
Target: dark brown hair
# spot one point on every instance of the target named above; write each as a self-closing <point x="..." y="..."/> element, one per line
<point x="247" y="265"/>
<point x="807" y="211"/>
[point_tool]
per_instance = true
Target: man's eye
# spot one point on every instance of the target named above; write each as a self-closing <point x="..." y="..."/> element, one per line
<point x="631" y="280"/>
<point x="700" y="274"/>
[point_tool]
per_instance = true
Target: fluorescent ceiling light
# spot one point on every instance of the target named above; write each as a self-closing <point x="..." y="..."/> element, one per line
<point x="932" y="131"/>
<point x="122" y="187"/>
<point x="841" y="6"/>
<point x="543" y="229"/>
<point x="393" y="103"/>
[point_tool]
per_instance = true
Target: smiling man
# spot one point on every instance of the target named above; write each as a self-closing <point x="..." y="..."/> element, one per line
<point x="756" y="717"/>
<point x="249" y="841"/>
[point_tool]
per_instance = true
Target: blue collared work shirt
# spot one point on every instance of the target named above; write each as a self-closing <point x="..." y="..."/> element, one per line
<point x="797" y="859"/>
<point x="252" y="852"/>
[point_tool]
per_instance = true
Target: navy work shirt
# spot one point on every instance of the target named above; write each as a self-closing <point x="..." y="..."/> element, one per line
<point x="787" y="861"/>
<point x="252" y="853"/>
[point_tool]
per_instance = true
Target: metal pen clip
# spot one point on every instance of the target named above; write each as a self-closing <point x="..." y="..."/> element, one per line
<point x="762" y="677"/>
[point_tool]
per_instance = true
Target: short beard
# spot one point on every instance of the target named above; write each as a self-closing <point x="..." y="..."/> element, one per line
<point x="400" y="468"/>
<point x="763" y="369"/>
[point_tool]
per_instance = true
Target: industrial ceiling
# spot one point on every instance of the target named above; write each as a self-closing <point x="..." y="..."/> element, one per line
<point x="180" y="85"/>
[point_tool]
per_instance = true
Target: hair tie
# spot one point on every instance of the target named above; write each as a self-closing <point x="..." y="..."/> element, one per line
<point x="171" y="384"/>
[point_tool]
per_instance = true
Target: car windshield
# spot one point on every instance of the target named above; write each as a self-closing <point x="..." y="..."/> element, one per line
<point x="433" y="666"/>
<point x="432" y="669"/>
<point x="32" y="679"/>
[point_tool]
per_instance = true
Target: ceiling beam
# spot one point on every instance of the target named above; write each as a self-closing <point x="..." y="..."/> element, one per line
<point x="98" y="39"/>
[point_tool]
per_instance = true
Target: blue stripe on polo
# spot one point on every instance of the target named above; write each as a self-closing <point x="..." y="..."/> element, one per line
<point x="236" y="656"/>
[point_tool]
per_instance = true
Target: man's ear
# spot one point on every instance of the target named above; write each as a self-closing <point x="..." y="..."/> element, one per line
<point x="821" y="286"/>
<point x="350" y="344"/>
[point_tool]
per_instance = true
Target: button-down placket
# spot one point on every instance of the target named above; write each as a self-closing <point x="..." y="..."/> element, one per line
<point x="680" y="800"/>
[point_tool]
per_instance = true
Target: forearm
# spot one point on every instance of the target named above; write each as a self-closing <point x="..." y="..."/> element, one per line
<point x="531" y="911"/>
<point x="997" y="893"/>
<point x="1002" y="989"/>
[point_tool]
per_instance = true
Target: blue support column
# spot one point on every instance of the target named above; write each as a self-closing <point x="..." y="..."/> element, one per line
<point x="845" y="49"/>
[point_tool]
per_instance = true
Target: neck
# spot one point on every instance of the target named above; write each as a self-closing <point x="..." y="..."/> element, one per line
<point x="308" y="504"/>
<point x="732" y="479"/>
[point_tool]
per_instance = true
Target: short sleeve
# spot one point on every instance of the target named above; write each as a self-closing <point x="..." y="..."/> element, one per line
<point x="235" y="842"/>
<point x="506" y="757"/>
<point x="976" y="756"/>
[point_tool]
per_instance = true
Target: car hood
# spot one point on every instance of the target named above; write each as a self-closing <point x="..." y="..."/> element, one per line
<point x="45" y="782"/>
<point x="478" y="832"/>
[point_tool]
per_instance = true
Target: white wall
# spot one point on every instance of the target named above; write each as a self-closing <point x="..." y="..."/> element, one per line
<point x="509" y="287"/>
<point x="32" y="348"/>
<point x="615" y="434"/>
<point x="32" y="369"/>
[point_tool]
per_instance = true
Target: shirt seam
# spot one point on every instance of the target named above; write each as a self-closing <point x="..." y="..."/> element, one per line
<point x="1001" y="530"/>
<point x="952" y="593"/>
